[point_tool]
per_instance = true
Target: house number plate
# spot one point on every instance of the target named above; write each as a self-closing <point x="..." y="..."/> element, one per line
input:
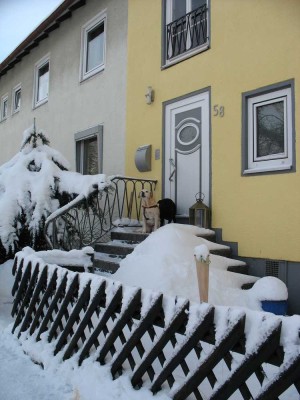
<point x="219" y="111"/>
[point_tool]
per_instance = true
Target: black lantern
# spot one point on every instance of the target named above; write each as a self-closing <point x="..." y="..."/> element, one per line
<point x="199" y="213"/>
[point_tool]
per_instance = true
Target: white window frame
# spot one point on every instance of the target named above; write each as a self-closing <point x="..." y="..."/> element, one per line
<point x="4" y="99"/>
<point x="16" y="109"/>
<point x="273" y="162"/>
<point x="191" y="52"/>
<point x="99" y="19"/>
<point x="40" y="64"/>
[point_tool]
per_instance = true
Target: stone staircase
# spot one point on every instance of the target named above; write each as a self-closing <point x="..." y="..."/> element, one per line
<point x="108" y="255"/>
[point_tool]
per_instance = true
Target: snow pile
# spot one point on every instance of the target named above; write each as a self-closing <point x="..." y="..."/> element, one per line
<point x="79" y="258"/>
<point x="165" y="262"/>
<point x="201" y="253"/>
<point x="33" y="184"/>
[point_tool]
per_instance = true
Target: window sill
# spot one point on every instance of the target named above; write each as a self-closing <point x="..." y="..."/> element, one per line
<point x="40" y="103"/>
<point x="92" y="73"/>
<point x="267" y="169"/>
<point x="186" y="55"/>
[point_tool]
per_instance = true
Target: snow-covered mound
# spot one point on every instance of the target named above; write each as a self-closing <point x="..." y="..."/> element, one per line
<point x="165" y="262"/>
<point x="33" y="184"/>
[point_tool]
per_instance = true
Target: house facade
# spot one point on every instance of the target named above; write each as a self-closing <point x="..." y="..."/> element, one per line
<point x="213" y="94"/>
<point x="70" y="75"/>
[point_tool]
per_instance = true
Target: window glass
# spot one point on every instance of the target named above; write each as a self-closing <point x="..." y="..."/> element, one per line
<point x="95" y="45"/>
<point x="270" y="129"/>
<point x="91" y="156"/>
<point x="43" y="82"/>
<point x="87" y="156"/>
<point x="178" y="9"/>
<point x="5" y="108"/>
<point x="17" y="99"/>
<point x="197" y="4"/>
<point x="268" y="133"/>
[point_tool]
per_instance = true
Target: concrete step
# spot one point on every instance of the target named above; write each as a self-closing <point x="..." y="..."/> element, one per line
<point x="221" y="252"/>
<point x="118" y="247"/>
<point x="133" y="236"/>
<point x="107" y="262"/>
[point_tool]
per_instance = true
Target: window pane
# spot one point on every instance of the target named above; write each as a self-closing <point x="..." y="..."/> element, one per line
<point x="178" y="9"/>
<point x="197" y="4"/>
<point x="17" y="99"/>
<point x="43" y="82"/>
<point x="95" y="44"/>
<point x="91" y="156"/>
<point x="5" y="104"/>
<point x="270" y="129"/>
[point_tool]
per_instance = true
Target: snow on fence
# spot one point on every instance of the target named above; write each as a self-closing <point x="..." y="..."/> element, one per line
<point x="190" y="351"/>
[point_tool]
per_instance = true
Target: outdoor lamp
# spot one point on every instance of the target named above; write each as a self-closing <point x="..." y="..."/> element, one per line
<point x="199" y="213"/>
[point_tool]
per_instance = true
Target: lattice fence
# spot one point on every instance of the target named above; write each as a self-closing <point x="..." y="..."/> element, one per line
<point x="191" y="351"/>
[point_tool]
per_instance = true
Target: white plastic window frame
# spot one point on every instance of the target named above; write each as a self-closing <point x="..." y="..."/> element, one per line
<point x="189" y="53"/>
<point x="17" y="88"/>
<point x="99" y="19"/>
<point x="4" y="99"/>
<point x="272" y="162"/>
<point x="40" y="64"/>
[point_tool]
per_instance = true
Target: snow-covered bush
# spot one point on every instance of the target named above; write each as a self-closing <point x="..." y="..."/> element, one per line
<point x="33" y="184"/>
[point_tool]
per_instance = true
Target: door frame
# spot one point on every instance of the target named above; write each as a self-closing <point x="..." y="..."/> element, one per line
<point x="174" y="100"/>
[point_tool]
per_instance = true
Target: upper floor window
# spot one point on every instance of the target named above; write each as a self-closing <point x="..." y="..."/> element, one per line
<point x="16" y="99"/>
<point x="268" y="133"/>
<point x="41" y="81"/>
<point x="93" y="46"/>
<point x="4" y="107"/>
<point x="186" y="29"/>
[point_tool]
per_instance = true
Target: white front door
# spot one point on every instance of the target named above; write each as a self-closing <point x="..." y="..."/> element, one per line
<point x="187" y="151"/>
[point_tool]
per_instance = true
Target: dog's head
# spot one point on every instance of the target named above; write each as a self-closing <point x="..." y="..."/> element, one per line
<point x="146" y="194"/>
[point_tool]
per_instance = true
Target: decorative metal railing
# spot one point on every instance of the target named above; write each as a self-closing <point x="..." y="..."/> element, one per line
<point x="193" y="351"/>
<point x="187" y="32"/>
<point x="85" y="221"/>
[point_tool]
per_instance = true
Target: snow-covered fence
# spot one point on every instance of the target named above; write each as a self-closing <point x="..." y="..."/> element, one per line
<point x="193" y="351"/>
<point x="86" y="220"/>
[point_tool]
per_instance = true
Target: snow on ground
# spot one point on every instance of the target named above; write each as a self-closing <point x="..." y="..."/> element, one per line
<point x="20" y="378"/>
<point x="164" y="262"/>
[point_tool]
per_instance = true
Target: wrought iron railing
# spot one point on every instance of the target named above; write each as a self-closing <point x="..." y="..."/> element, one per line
<point x="192" y="351"/>
<point x="85" y="221"/>
<point x="187" y="32"/>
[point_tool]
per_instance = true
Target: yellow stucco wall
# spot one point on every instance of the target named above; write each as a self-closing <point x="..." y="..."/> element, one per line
<point x="253" y="44"/>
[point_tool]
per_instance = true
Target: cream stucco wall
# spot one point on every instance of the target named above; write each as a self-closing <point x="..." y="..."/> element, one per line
<point x="253" y="44"/>
<point x="74" y="106"/>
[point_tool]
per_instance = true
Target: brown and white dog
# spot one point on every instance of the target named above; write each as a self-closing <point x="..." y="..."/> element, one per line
<point x="150" y="212"/>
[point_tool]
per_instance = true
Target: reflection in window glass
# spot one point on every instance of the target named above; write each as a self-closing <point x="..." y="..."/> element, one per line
<point x="270" y="129"/>
<point x="95" y="45"/>
<point x="5" y="109"/>
<point x="178" y="9"/>
<point x="17" y="99"/>
<point x="87" y="156"/>
<point x="91" y="156"/>
<point x="43" y="82"/>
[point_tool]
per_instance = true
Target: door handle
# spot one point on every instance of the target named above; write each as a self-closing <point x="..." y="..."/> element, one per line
<point x="174" y="170"/>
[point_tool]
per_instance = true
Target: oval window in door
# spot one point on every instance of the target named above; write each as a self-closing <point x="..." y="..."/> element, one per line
<point x="188" y="134"/>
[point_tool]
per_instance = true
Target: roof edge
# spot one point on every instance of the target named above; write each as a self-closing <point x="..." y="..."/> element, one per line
<point x="39" y="32"/>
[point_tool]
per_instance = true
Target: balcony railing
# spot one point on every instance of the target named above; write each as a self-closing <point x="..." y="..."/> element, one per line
<point x="85" y="221"/>
<point x="187" y="32"/>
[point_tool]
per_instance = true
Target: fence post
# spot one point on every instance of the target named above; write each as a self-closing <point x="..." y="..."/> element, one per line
<point x="202" y="266"/>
